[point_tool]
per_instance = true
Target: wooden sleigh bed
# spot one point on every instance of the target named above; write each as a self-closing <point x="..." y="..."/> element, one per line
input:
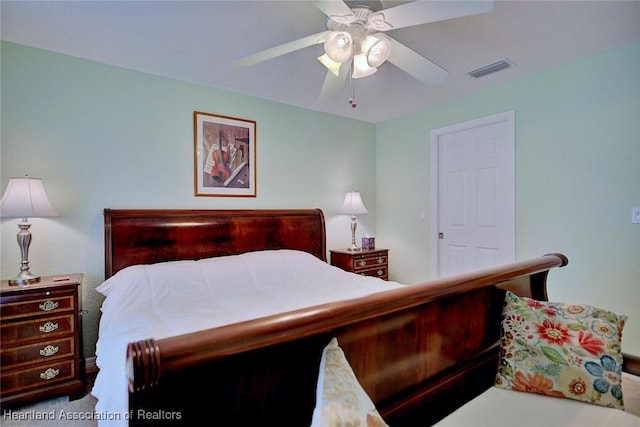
<point x="419" y="351"/>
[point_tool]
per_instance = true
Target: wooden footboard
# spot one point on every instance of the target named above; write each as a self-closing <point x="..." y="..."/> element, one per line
<point x="419" y="351"/>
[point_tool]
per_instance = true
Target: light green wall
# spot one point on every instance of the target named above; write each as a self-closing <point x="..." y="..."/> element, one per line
<point x="105" y="137"/>
<point x="577" y="177"/>
<point x="102" y="136"/>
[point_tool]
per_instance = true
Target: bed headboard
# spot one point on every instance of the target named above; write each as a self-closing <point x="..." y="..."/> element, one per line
<point x="146" y="236"/>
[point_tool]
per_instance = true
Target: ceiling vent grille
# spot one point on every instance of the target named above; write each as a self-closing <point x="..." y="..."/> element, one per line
<point x="489" y="69"/>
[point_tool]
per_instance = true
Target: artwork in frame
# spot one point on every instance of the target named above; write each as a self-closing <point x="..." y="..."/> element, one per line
<point x="225" y="155"/>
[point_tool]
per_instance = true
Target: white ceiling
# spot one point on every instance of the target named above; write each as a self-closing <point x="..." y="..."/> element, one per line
<point x="198" y="41"/>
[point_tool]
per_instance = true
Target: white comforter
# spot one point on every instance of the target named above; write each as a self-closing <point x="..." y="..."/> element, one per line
<point x="173" y="298"/>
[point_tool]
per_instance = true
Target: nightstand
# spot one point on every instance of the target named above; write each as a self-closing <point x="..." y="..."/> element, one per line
<point x="367" y="262"/>
<point x="41" y="340"/>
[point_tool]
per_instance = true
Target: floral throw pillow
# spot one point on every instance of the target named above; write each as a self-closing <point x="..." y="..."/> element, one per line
<point x="340" y="399"/>
<point x="561" y="350"/>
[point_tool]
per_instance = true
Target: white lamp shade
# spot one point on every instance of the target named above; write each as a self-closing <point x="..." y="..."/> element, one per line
<point x="339" y="46"/>
<point x="361" y="68"/>
<point x="25" y="198"/>
<point x="376" y="48"/>
<point x="353" y="204"/>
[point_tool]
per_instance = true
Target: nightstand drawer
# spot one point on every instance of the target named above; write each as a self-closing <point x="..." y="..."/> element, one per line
<point x="380" y="272"/>
<point x="42" y="303"/>
<point x="369" y="262"/>
<point x="37" y="329"/>
<point x="14" y="357"/>
<point x="38" y="377"/>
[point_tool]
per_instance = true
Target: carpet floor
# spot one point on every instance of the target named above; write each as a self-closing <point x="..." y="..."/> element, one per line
<point x="59" y="412"/>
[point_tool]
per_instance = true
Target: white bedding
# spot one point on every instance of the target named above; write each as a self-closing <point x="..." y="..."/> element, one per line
<point x="173" y="298"/>
<point x="498" y="407"/>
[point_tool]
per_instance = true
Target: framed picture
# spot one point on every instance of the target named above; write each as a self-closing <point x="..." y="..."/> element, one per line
<point x="225" y="155"/>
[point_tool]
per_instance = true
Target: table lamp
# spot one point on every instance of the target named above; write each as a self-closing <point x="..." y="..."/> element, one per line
<point x="353" y="206"/>
<point x="25" y="198"/>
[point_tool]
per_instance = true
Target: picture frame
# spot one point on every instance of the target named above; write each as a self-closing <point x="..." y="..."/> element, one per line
<point x="224" y="155"/>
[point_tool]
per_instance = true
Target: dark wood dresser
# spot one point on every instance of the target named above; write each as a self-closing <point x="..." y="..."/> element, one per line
<point x="41" y="340"/>
<point x="367" y="262"/>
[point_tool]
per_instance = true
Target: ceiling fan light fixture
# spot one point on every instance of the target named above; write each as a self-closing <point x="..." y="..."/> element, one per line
<point x="339" y="46"/>
<point x="331" y="65"/>
<point x="361" y="68"/>
<point x="376" y="48"/>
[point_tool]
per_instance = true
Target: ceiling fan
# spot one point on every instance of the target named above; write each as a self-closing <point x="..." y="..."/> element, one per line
<point x="356" y="43"/>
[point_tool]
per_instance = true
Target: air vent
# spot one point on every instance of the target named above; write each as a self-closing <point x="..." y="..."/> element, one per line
<point x="489" y="69"/>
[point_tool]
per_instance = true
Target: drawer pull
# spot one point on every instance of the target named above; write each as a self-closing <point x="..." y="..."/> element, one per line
<point x="48" y="305"/>
<point x="49" y="374"/>
<point x="362" y="263"/>
<point x="380" y="272"/>
<point x="48" y="351"/>
<point x="48" y="327"/>
<point x="380" y="260"/>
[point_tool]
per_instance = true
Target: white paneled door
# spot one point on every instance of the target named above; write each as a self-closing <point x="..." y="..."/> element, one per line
<point x="474" y="205"/>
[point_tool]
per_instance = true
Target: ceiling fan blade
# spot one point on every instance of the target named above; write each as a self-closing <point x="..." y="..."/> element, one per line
<point x="422" y="12"/>
<point x="282" y="49"/>
<point x="333" y="84"/>
<point x="336" y="9"/>
<point x="415" y="64"/>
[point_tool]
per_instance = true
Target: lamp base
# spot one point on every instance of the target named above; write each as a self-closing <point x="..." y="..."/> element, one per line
<point x="24" y="278"/>
<point x="24" y="240"/>
<point x="354" y="246"/>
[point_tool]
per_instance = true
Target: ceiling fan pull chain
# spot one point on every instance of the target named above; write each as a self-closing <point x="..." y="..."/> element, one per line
<point x="352" y="102"/>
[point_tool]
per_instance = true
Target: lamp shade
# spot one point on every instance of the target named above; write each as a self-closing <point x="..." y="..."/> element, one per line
<point x="353" y="204"/>
<point x="376" y="48"/>
<point x="339" y="46"/>
<point x="25" y="198"/>
<point x="360" y="67"/>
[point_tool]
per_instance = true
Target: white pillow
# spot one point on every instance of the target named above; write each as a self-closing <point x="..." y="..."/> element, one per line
<point x="340" y="399"/>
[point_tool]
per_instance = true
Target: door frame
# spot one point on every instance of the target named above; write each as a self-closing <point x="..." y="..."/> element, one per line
<point x="509" y="117"/>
